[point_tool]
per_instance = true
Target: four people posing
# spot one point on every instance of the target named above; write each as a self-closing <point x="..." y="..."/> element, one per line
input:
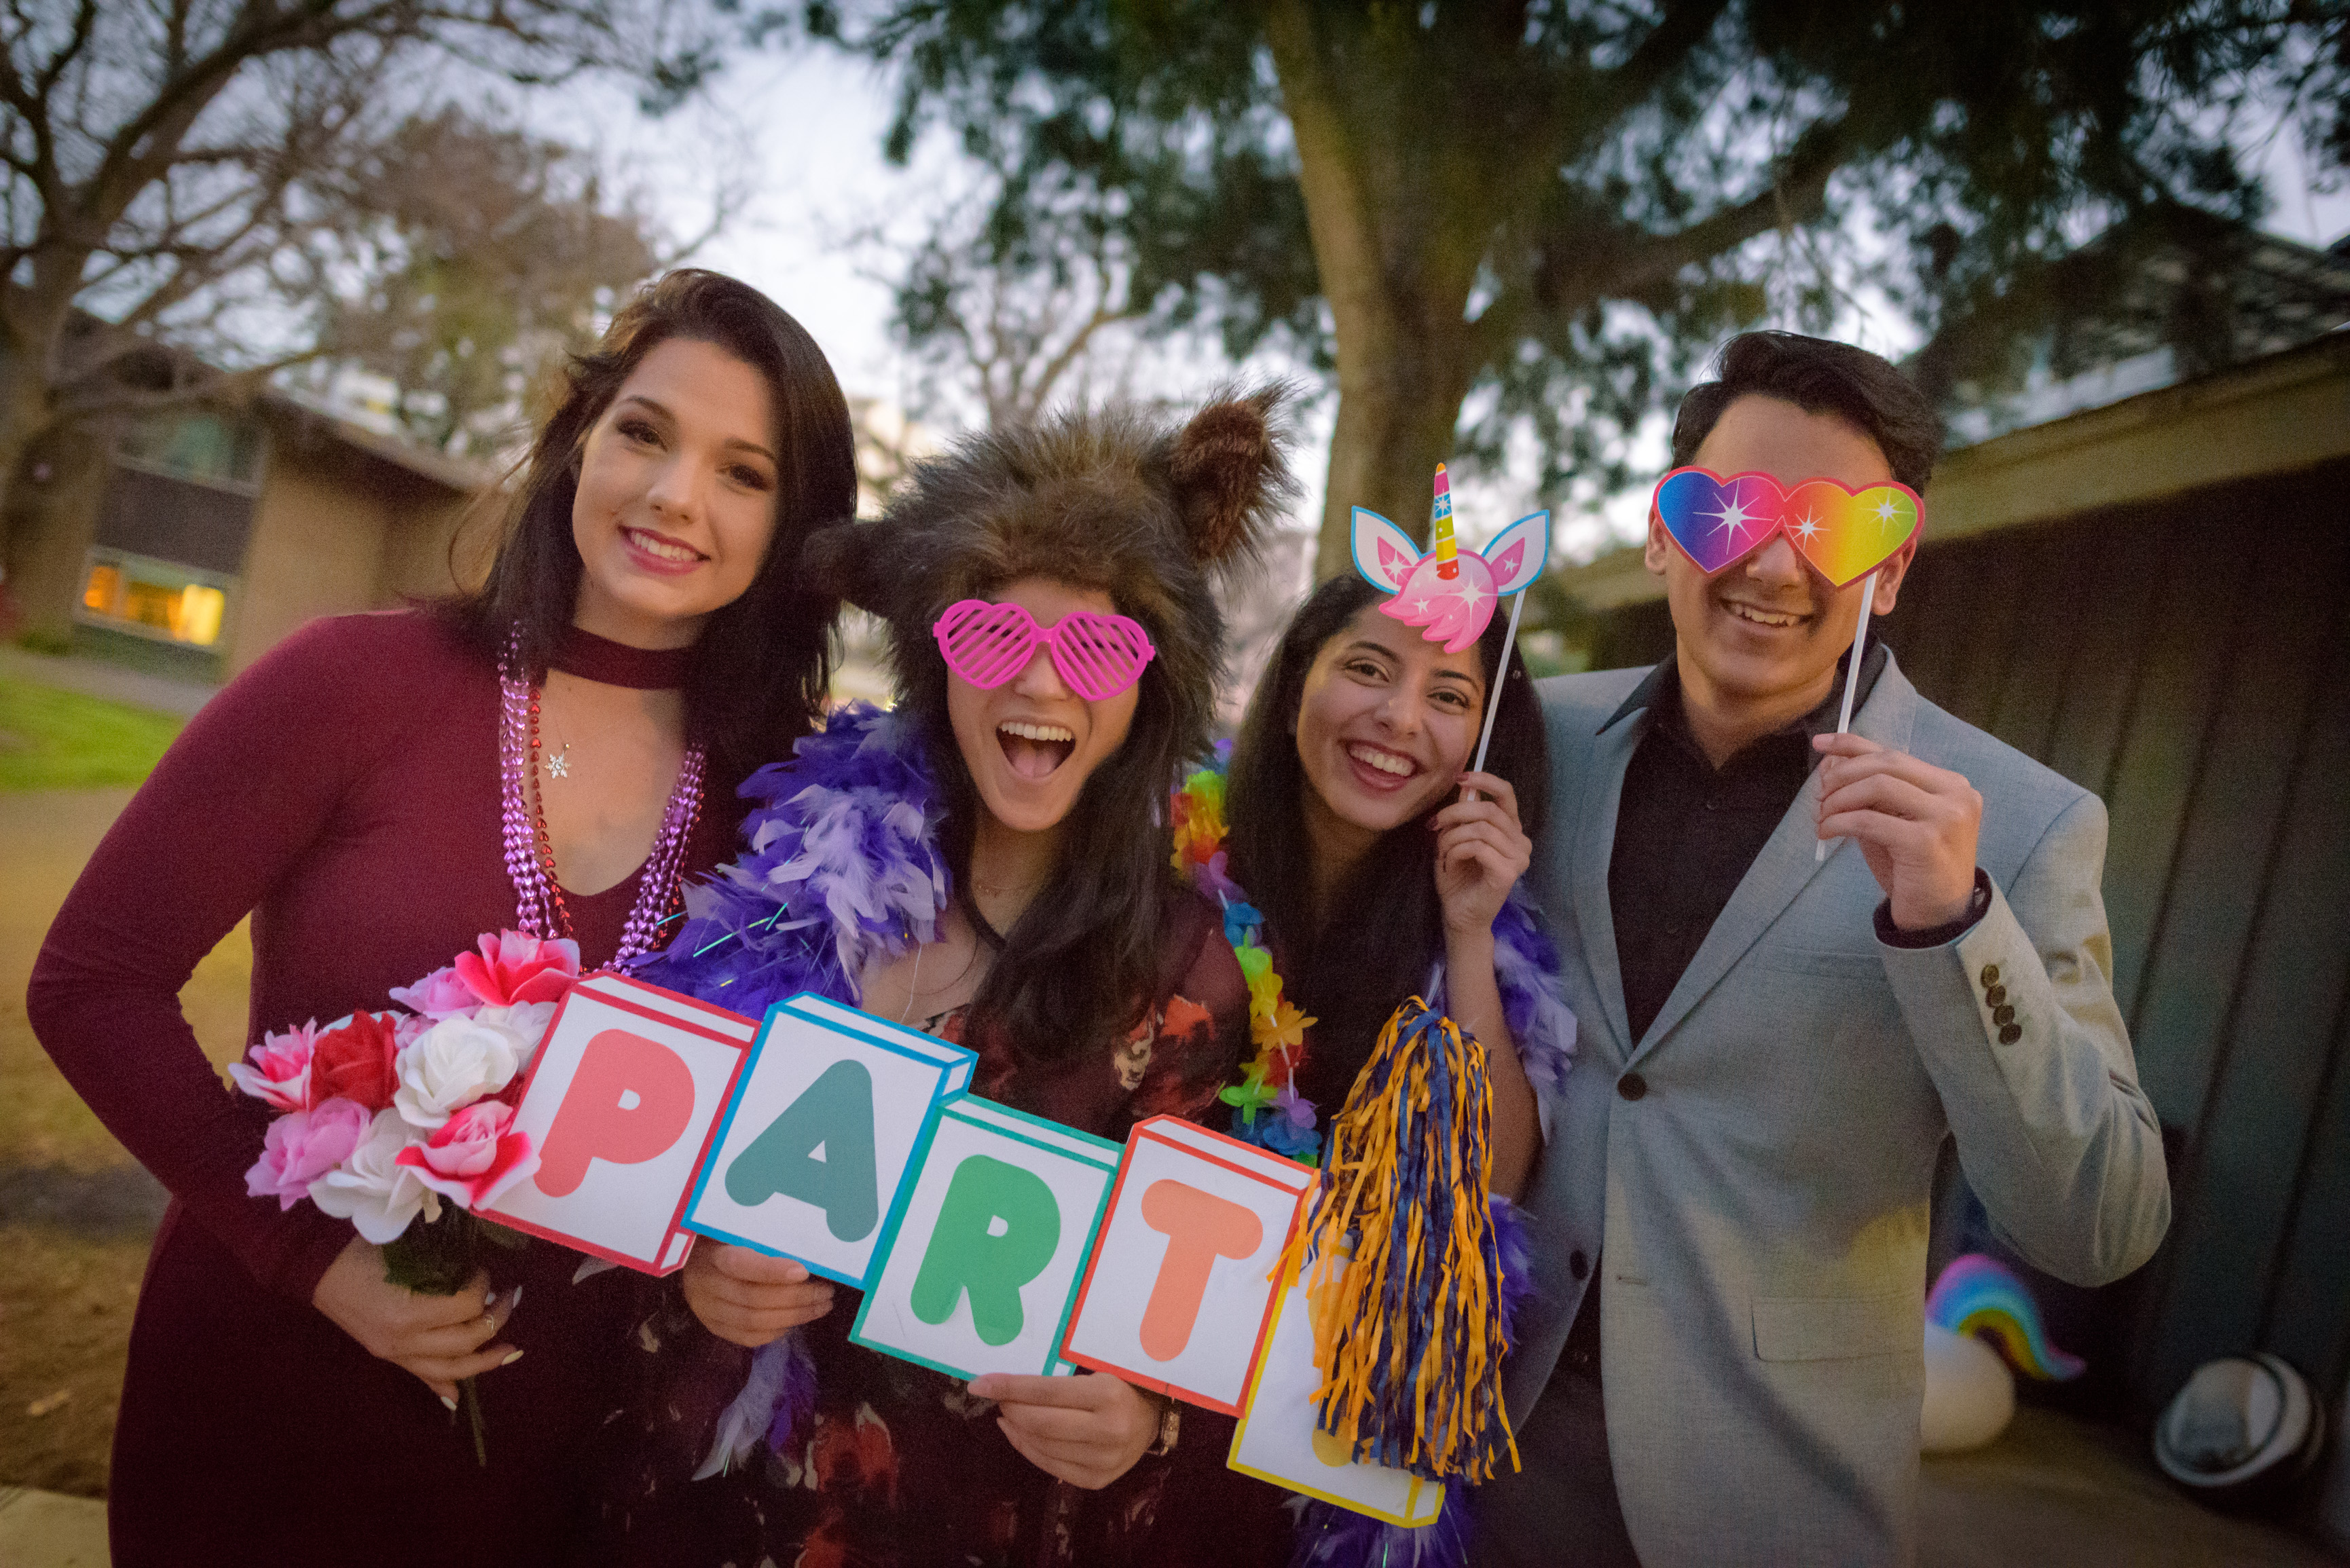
<point x="1737" y="1151"/>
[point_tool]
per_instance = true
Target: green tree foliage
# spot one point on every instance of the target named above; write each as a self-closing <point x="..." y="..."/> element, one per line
<point x="1550" y="212"/>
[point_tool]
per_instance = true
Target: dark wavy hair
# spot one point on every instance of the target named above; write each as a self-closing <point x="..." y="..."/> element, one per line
<point x="763" y="664"/>
<point x="1387" y="927"/>
<point x="1819" y="376"/>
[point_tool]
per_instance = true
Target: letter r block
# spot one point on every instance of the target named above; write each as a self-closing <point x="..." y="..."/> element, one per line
<point x="1179" y="1296"/>
<point x="979" y="1262"/>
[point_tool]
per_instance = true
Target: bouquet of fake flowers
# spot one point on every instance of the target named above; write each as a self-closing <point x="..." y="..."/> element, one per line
<point x="401" y="1121"/>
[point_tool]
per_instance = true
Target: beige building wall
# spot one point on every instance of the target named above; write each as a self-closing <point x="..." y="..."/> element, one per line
<point x="316" y="549"/>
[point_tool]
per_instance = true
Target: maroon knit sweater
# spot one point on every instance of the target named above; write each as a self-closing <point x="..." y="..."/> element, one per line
<point x="345" y="791"/>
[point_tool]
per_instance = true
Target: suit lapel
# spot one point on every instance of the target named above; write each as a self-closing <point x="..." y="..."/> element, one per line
<point x="1783" y="869"/>
<point x="1594" y="844"/>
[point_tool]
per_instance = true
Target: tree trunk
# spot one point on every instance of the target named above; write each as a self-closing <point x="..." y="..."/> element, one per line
<point x="52" y="511"/>
<point x="1401" y="201"/>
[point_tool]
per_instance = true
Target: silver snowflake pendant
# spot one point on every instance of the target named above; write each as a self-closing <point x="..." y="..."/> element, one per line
<point x="559" y="765"/>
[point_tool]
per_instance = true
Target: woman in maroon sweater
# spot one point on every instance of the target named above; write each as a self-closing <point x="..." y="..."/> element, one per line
<point x="284" y="1403"/>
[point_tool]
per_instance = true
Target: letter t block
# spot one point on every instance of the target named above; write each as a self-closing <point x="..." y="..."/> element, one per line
<point x="1179" y="1294"/>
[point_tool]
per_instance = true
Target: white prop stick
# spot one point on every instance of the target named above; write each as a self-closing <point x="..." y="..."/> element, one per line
<point x="1851" y="685"/>
<point x="1500" y="674"/>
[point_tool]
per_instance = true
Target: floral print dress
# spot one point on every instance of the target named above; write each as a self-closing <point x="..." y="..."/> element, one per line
<point x="900" y="1467"/>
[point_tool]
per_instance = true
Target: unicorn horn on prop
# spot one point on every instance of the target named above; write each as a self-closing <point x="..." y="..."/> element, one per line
<point x="1449" y="591"/>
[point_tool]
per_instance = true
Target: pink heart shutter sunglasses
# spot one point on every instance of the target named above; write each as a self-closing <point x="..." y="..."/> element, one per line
<point x="987" y="644"/>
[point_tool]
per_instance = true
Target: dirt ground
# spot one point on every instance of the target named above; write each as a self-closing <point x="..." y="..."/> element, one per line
<point x="76" y="1211"/>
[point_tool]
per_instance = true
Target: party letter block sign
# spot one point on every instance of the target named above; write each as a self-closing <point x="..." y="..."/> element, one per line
<point x="819" y="1138"/>
<point x="619" y="1102"/>
<point x="1278" y="1441"/>
<point x="1179" y="1295"/>
<point x="980" y="1258"/>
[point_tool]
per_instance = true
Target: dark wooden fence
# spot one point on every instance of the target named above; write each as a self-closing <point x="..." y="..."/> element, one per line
<point x="2190" y="661"/>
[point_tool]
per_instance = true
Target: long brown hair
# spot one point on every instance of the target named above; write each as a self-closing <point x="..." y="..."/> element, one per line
<point x="762" y="665"/>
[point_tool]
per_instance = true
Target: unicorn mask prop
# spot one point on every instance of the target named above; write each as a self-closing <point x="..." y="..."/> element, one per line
<point x="1450" y="591"/>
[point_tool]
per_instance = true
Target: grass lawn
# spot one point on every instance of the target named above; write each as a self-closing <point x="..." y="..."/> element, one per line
<point x="72" y="1223"/>
<point x="62" y="740"/>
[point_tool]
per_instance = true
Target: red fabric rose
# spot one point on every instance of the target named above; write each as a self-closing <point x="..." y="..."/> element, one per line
<point x="354" y="1060"/>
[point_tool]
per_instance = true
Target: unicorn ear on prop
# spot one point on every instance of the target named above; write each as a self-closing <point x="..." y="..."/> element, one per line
<point x="1384" y="554"/>
<point x="1517" y="554"/>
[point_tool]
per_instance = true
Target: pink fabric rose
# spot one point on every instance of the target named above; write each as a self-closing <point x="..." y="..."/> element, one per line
<point x="278" y="1074"/>
<point x="512" y="966"/>
<point x="302" y="1146"/>
<point x="474" y="1157"/>
<point x="441" y="994"/>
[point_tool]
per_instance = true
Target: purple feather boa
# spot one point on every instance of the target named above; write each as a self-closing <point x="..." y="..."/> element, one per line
<point x="843" y="865"/>
<point x="1328" y="1536"/>
<point x="1533" y="1001"/>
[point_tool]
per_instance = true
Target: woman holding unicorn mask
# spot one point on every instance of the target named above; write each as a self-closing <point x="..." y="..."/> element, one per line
<point x="1382" y="800"/>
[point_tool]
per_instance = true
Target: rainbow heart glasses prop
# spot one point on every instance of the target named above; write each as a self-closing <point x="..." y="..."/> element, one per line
<point x="1450" y="591"/>
<point x="987" y="644"/>
<point x="1844" y="533"/>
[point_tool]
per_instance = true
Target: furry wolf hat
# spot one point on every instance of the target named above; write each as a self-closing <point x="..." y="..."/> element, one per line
<point x="1118" y="499"/>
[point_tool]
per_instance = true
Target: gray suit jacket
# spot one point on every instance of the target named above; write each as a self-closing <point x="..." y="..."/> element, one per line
<point x="1761" y="1211"/>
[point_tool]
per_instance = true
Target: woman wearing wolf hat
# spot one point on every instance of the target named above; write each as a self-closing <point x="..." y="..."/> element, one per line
<point x="991" y="862"/>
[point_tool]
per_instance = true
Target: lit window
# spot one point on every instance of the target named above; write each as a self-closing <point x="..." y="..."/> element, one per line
<point x="153" y="598"/>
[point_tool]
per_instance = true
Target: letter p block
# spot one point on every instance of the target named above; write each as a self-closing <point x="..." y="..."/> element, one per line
<point x="620" y="1100"/>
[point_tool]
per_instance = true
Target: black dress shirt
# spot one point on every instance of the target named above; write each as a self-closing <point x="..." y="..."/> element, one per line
<point x="1686" y="831"/>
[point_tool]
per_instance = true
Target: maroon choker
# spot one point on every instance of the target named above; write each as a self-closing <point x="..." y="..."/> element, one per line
<point x="610" y="664"/>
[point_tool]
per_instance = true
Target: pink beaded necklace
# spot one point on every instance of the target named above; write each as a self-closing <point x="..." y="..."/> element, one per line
<point x="530" y="857"/>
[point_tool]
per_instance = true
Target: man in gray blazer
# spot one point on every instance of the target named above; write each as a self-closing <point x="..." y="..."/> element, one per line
<point x="1772" y="1048"/>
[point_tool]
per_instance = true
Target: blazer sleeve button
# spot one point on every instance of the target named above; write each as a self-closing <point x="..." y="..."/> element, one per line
<point x="2003" y="1016"/>
<point x="2010" y="1033"/>
<point x="1631" y="1085"/>
<point x="1996" y="995"/>
<point x="1991" y="974"/>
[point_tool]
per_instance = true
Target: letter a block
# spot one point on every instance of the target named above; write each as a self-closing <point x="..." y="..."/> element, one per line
<point x="1277" y="1440"/>
<point x="620" y="1102"/>
<point x="819" y="1139"/>
<point x="981" y="1257"/>
<point x="1179" y="1295"/>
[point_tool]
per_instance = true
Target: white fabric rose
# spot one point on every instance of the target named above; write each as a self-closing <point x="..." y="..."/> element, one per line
<point x="525" y="1021"/>
<point x="451" y="1064"/>
<point x="372" y="1189"/>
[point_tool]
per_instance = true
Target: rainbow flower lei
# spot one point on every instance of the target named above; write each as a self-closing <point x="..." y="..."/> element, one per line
<point x="1268" y="1111"/>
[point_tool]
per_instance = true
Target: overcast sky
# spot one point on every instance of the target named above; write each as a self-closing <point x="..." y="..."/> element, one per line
<point x="806" y="130"/>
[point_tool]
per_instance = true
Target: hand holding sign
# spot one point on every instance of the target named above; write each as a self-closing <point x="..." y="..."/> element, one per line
<point x="750" y="1299"/>
<point x="1087" y="1430"/>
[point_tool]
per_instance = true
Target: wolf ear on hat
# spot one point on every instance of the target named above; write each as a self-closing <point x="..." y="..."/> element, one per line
<point x="1229" y="475"/>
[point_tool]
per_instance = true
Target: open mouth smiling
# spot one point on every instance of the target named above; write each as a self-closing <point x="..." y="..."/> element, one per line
<point x="1034" y="752"/>
<point x="1386" y="766"/>
<point x="663" y="548"/>
<point x="1756" y="615"/>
